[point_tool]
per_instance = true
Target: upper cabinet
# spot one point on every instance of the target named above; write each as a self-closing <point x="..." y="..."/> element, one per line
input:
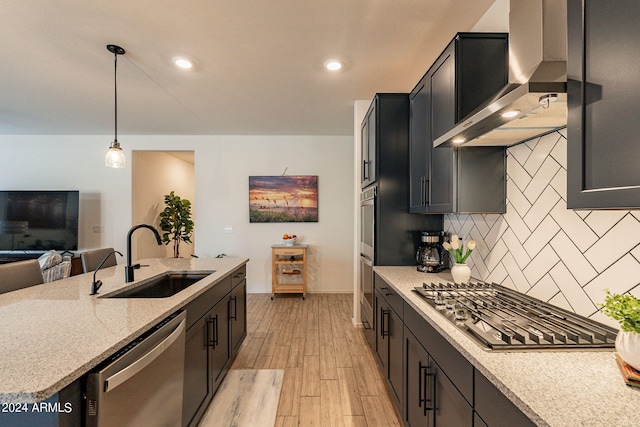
<point x="603" y="170"/>
<point x="368" y="147"/>
<point x="472" y="68"/>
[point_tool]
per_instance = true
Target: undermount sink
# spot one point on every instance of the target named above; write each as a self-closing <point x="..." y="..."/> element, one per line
<point x="162" y="286"/>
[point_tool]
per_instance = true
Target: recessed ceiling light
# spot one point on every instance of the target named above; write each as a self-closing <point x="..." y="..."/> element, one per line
<point x="510" y="113"/>
<point x="333" y="65"/>
<point x="458" y="140"/>
<point x="183" y="63"/>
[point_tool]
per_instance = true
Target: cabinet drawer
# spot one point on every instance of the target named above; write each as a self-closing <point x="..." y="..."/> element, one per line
<point x="238" y="276"/>
<point x="288" y="252"/>
<point x="387" y="293"/>
<point x="199" y="306"/>
<point x="494" y="408"/>
<point x="454" y="364"/>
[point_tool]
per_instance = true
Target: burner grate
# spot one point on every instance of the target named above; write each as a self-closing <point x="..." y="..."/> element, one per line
<point x="503" y="319"/>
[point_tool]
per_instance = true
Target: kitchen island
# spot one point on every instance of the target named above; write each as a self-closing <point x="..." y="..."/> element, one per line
<point x="552" y="388"/>
<point x="52" y="334"/>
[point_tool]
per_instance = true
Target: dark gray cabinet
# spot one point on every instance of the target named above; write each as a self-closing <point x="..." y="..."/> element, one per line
<point x="216" y="328"/>
<point x="602" y="94"/>
<point x="494" y="408"/>
<point x="396" y="232"/>
<point x="368" y="147"/>
<point x="419" y="149"/>
<point x="471" y="69"/>
<point x="388" y="342"/>
<point x="432" y="399"/>
<point x="237" y="317"/>
<point x="431" y="382"/>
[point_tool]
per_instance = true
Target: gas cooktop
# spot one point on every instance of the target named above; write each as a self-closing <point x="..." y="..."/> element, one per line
<point x="500" y="318"/>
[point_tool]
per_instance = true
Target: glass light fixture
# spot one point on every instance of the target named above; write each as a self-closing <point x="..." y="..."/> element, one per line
<point x="115" y="155"/>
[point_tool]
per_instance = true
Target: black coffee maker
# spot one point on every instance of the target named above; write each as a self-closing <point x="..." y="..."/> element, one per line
<point x="431" y="256"/>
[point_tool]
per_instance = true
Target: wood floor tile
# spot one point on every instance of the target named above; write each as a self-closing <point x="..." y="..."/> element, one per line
<point x="310" y="411"/>
<point x="330" y="374"/>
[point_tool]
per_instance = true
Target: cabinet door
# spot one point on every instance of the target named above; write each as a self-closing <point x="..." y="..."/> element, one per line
<point x="442" y="82"/>
<point x="198" y="385"/>
<point x="394" y="328"/>
<point x="238" y="316"/>
<point x="418" y="407"/>
<point x="368" y="146"/>
<point x="364" y="152"/>
<point x="495" y="409"/>
<point x="382" y="311"/>
<point x="218" y="341"/>
<point x="451" y="409"/>
<point x="442" y="180"/>
<point x="602" y="156"/>
<point x="419" y="146"/>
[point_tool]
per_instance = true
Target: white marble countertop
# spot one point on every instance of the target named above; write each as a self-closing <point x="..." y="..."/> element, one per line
<point x="553" y="388"/>
<point x="52" y="334"/>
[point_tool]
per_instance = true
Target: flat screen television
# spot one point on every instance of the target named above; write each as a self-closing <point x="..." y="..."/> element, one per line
<point x="38" y="221"/>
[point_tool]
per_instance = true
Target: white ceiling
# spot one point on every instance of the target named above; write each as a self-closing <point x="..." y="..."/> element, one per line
<point x="258" y="63"/>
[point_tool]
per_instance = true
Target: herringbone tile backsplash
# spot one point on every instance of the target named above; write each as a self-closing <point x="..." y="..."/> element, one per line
<point x="539" y="247"/>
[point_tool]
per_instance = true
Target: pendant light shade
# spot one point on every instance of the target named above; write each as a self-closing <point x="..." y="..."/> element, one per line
<point x="115" y="155"/>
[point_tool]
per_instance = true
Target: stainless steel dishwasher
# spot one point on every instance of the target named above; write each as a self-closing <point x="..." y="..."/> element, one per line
<point x="141" y="385"/>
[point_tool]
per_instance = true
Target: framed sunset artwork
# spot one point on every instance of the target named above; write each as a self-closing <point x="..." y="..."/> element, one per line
<point x="292" y="198"/>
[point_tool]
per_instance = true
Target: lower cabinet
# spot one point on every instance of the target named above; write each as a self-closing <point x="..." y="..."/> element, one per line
<point x="211" y="344"/>
<point x="388" y="344"/>
<point x="432" y="399"/>
<point x="237" y="317"/>
<point x="432" y="383"/>
<point x="494" y="408"/>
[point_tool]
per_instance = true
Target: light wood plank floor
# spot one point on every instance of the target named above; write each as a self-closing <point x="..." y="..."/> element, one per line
<point x="331" y="377"/>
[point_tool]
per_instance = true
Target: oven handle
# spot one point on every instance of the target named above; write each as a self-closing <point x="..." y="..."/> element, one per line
<point x="124" y="374"/>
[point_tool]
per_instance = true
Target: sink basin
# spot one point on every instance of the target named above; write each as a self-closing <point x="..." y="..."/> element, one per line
<point x="162" y="286"/>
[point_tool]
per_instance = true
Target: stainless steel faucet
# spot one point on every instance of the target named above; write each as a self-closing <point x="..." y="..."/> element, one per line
<point x="95" y="285"/>
<point x="128" y="270"/>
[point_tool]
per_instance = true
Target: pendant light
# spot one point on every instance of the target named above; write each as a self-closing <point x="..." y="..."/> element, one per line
<point x="115" y="155"/>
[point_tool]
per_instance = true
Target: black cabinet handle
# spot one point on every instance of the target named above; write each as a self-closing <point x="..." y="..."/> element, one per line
<point x="384" y="332"/>
<point x="427" y="192"/>
<point x="235" y="308"/>
<point x="238" y="275"/>
<point x="422" y="190"/>
<point x="427" y="392"/>
<point x="213" y="321"/>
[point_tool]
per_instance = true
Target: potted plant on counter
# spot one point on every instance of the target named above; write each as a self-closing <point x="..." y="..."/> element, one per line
<point x="175" y="222"/>
<point x="625" y="309"/>
<point x="460" y="271"/>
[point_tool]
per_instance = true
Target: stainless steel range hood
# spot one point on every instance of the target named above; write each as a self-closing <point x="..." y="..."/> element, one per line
<point x="536" y="94"/>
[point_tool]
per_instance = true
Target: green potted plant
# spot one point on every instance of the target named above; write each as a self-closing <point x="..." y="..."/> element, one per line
<point x="175" y="222"/>
<point x="625" y="309"/>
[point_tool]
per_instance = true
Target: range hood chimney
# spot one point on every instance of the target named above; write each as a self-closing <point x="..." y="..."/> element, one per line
<point x="535" y="100"/>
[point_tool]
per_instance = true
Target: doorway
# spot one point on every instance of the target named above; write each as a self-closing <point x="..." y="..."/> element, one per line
<point x="154" y="174"/>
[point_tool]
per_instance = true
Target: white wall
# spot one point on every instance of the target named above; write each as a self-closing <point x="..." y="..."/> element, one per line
<point x="222" y="167"/>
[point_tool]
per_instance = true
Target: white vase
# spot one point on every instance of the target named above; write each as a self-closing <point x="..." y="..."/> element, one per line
<point x="628" y="347"/>
<point x="461" y="273"/>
